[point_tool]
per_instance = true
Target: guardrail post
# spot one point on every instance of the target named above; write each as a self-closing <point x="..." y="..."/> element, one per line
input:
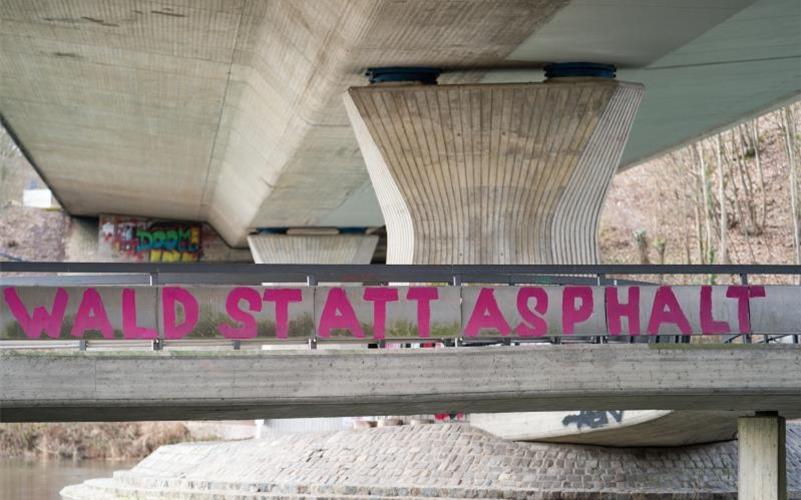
<point x="236" y="344"/>
<point x="599" y="280"/>
<point x="456" y="280"/>
<point x="744" y="282"/>
<point x="82" y="344"/>
<point x="311" y="280"/>
<point x="157" y="345"/>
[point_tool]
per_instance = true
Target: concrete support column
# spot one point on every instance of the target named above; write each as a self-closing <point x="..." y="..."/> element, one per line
<point x="493" y="174"/>
<point x="312" y="248"/>
<point x="762" y="473"/>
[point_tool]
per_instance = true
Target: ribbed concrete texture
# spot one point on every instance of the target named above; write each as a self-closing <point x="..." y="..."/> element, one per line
<point x="493" y="174"/>
<point x="450" y="461"/>
<point x="312" y="249"/>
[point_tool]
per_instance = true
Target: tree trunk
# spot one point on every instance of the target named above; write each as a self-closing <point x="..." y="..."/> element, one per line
<point x="789" y="137"/>
<point x="760" y="172"/>
<point x="699" y="150"/>
<point x="724" y="225"/>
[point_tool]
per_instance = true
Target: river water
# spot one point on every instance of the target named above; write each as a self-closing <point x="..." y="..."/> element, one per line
<point x="42" y="479"/>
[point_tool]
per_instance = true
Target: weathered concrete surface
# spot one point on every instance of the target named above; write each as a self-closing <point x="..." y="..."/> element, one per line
<point x="224" y="111"/>
<point x="493" y="174"/>
<point x="451" y="461"/>
<point x="42" y="386"/>
<point x="614" y="428"/>
<point x="762" y="458"/>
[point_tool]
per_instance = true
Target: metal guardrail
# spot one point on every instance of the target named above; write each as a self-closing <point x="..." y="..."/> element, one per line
<point x="200" y="273"/>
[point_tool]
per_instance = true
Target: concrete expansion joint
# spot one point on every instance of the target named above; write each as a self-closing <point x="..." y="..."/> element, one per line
<point x="403" y="74"/>
<point x="579" y="70"/>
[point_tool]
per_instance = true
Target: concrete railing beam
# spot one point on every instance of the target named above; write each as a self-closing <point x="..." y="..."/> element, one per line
<point x="95" y="386"/>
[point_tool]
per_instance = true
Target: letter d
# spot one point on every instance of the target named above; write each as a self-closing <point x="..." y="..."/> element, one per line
<point x="169" y="296"/>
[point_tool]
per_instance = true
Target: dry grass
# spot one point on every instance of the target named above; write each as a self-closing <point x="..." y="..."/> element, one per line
<point x="110" y="441"/>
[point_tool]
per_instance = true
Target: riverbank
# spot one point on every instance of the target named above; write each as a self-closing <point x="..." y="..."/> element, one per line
<point x="89" y="441"/>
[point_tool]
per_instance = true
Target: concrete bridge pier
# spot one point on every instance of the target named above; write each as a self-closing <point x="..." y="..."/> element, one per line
<point x="309" y="246"/>
<point x="517" y="174"/>
<point x="312" y="246"/>
<point x="495" y="174"/>
<point x="762" y="473"/>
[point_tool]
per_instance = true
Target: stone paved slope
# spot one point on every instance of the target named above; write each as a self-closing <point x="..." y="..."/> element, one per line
<point x="455" y="461"/>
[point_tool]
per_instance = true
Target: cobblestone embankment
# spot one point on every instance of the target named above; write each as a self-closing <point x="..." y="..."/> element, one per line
<point x="454" y="461"/>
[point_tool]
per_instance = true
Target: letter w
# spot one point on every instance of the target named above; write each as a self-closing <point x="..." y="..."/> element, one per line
<point x="33" y="325"/>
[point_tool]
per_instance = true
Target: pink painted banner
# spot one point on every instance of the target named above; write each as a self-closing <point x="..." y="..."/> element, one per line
<point x="377" y="313"/>
<point x="387" y="312"/>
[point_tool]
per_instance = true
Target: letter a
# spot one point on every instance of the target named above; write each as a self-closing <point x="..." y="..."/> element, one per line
<point x="666" y="309"/>
<point x="338" y="314"/>
<point x="92" y="315"/>
<point x="486" y="314"/>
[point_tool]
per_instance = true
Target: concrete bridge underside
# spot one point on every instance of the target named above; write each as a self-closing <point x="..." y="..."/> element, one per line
<point x="97" y="386"/>
<point x="231" y="112"/>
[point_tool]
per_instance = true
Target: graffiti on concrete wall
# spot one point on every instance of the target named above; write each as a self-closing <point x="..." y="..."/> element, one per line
<point x="592" y="419"/>
<point x="141" y="240"/>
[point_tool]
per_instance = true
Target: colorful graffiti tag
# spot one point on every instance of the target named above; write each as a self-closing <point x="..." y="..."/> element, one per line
<point x="141" y="240"/>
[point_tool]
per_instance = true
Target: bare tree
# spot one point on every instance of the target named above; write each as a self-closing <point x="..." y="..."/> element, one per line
<point x="724" y="221"/>
<point x="789" y="141"/>
<point x="704" y="204"/>
<point x="641" y="237"/>
<point x="760" y="171"/>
